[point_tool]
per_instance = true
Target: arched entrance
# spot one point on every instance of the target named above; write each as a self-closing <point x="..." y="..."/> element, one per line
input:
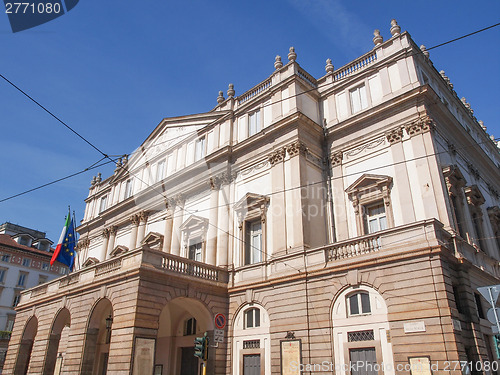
<point x="97" y="339"/>
<point x="360" y="327"/>
<point x="61" y="322"/>
<point x="181" y="320"/>
<point x="24" y="353"/>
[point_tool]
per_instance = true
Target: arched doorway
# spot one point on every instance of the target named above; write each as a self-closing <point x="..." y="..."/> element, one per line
<point x="61" y="322"/>
<point x="97" y="339"/>
<point x="360" y="327"/>
<point x="25" y="346"/>
<point x="181" y="320"/>
<point x="251" y="340"/>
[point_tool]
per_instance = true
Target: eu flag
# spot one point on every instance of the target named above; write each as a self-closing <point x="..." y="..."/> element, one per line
<point x="67" y="254"/>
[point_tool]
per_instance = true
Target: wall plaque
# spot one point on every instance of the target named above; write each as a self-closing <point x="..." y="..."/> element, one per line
<point x="291" y="353"/>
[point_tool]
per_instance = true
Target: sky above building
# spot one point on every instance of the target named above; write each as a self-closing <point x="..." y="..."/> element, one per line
<point x="113" y="69"/>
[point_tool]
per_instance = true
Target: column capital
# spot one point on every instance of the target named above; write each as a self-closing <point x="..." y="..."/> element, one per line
<point x="296" y="148"/>
<point x="337" y="158"/>
<point x="394" y="135"/>
<point x="277" y="156"/>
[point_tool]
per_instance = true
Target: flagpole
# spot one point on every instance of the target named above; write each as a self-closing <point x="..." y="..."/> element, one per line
<point x="76" y="242"/>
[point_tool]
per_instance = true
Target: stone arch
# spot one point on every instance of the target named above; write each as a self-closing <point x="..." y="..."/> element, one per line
<point x="251" y="340"/>
<point x="174" y="341"/>
<point x="360" y="327"/>
<point x="25" y="346"/>
<point x="61" y="322"/>
<point x="97" y="338"/>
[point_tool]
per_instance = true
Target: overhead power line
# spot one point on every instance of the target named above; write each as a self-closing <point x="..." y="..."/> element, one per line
<point x="107" y="156"/>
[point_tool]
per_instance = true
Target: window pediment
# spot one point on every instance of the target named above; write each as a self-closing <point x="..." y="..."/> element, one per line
<point x="117" y="251"/>
<point x="251" y="202"/>
<point x="194" y="222"/>
<point x="90" y="262"/>
<point x="367" y="182"/>
<point x="153" y="240"/>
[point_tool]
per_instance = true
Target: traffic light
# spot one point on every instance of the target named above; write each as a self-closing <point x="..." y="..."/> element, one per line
<point x="201" y="347"/>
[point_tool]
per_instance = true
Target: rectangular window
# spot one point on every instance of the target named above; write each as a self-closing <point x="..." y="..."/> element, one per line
<point x="3" y="273"/>
<point x="10" y="322"/>
<point x="45" y="266"/>
<point x="5" y="258"/>
<point x="359" y="303"/>
<point x="195" y="251"/>
<point x="129" y="188"/>
<point x="160" y="171"/>
<point x="199" y="149"/>
<point x="253" y="243"/>
<point x="104" y="203"/>
<point x="42" y="279"/>
<point x="458" y="300"/>
<point x="17" y="298"/>
<point x="376" y="218"/>
<point x="359" y="99"/>
<point x="21" y="281"/>
<point x="479" y="305"/>
<point x="26" y="262"/>
<point x="253" y="123"/>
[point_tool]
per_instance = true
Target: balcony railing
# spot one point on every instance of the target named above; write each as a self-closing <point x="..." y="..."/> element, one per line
<point x="356" y="65"/>
<point x="254" y="91"/>
<point x="192" y="268"/>
<point x="352" y="248"/>
<point x="131" y="260"/>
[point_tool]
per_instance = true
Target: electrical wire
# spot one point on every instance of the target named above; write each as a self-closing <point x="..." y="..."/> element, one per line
<point x="109" y="156"/>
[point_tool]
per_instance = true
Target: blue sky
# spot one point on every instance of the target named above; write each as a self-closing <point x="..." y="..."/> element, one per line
<point x="113" y="69"/>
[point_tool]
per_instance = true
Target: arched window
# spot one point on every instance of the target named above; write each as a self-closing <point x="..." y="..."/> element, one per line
<point x="252" y="318"/>
<point x="358" y="303"/>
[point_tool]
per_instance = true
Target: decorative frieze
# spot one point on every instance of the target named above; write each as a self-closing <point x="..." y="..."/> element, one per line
<point x="394" y="135"/>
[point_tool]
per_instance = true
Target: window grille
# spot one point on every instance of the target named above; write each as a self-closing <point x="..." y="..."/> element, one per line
<point x="251" y="344"/>
<point x="360" y="336"/>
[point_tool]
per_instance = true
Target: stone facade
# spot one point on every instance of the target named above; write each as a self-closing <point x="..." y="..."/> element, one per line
<point x="355" y="214"/>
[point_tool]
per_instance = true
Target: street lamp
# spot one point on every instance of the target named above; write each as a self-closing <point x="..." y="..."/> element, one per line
<point x="109" y="322"/>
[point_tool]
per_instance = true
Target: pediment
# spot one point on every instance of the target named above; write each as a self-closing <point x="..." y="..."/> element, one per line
<point x="194" y="222"/>
<point x="90" y="262"/>
<point x="367" y="181"/>
<point x="117" y="251"/>
<point x="251" y="201"/>
<point x="154" y="240"/>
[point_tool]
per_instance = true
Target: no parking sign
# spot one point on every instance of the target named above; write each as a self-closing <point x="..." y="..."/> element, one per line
<point x="220" y="321"/>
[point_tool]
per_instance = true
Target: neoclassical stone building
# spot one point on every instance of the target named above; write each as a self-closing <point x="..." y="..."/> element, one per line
<point x="332" y="220"/>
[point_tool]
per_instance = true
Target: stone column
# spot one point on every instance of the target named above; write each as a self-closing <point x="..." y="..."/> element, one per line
<point x="111" y="241"/>
<point x="395" y="138"/>
<point x="133" y="234"/>
<point x="223" y="231"/>
<point x="143" y="217"/>
<point x="104" y="247"/>
<point x="211" y="244"/>
<point x="167" y="236"/>
<point x="276" y="215"/>
<point x="175" y="247"/>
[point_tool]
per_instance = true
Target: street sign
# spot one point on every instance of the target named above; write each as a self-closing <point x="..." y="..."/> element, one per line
<point x="485" y="292"/>
<point x="220" y="321"/>
<point x="491" y="315"/>
<point x="218" y="335"/>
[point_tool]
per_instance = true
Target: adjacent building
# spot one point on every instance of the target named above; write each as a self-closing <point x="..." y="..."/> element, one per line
<point x="329" y="220"/>
<point x="24" y="263"/>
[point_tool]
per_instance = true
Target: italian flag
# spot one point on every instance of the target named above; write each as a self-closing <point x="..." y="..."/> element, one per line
<point x="61" y="240"/>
